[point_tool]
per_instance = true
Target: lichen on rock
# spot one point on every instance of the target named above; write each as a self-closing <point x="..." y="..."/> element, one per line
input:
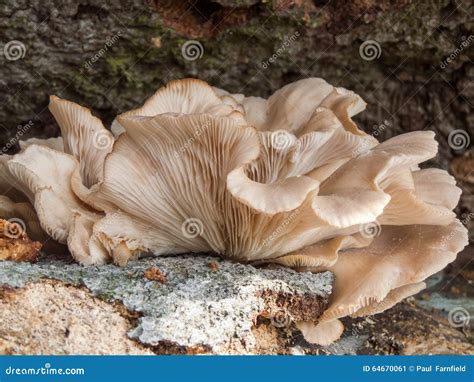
<point x="198" y="309"/>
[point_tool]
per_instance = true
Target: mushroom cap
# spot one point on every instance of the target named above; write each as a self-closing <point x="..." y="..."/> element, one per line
<point x="290" y="179"/>
<point x="173" y="149"/>
<point x="44" y="174"/>
<point x="187" y="96"/>
<point x="372" y="279"/>
<point x="291" y="107"/>
<point x="84" y="246"/>
<point x="8" y="185"/>
<point x="55" y="143"/>
<point x="84" y="137"/>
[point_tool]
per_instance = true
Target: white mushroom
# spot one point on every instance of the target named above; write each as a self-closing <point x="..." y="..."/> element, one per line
<point x="53" y="143"/>
<point x="372" y="279"/>
<point x="290" y="180"/>
<point x="8" y="184"/>
<point x="45" y="175"/>
<point x="84" y="137"/>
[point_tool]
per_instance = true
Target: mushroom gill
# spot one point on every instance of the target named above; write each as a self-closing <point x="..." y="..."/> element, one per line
<point x="290" y="179"/>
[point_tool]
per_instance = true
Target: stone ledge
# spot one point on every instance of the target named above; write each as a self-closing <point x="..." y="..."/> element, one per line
<point x="189" y="304"/>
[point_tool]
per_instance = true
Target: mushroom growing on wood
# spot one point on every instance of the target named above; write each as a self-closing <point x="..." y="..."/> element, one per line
<point x="290" y="179"/>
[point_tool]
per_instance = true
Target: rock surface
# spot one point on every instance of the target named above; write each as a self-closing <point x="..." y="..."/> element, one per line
<point x="54" y="318"/>
<point x="189" y="305"/>
<point x="198" y="305"/>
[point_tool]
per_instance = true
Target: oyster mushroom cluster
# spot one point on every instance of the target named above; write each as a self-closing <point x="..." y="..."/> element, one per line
<point x="290" y="179"/>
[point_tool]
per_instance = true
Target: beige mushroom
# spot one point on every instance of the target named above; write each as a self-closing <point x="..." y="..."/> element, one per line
<point x="372" y="279"/>
<point x="8" y="184"/>
<point x="53" y="143"/>
<point x="84" y="137"/>
<point x="290" y="179"/>
<point x="189" y="96"/>
<point x="44" y="175"/>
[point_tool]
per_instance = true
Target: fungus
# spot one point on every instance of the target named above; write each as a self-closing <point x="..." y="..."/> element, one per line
<point x="290" y="180"/>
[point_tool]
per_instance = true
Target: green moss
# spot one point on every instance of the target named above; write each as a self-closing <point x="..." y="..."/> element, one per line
<point x="84" y="86"/>
<point x="119" y="66"/>
<point x="133" y="68"/>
